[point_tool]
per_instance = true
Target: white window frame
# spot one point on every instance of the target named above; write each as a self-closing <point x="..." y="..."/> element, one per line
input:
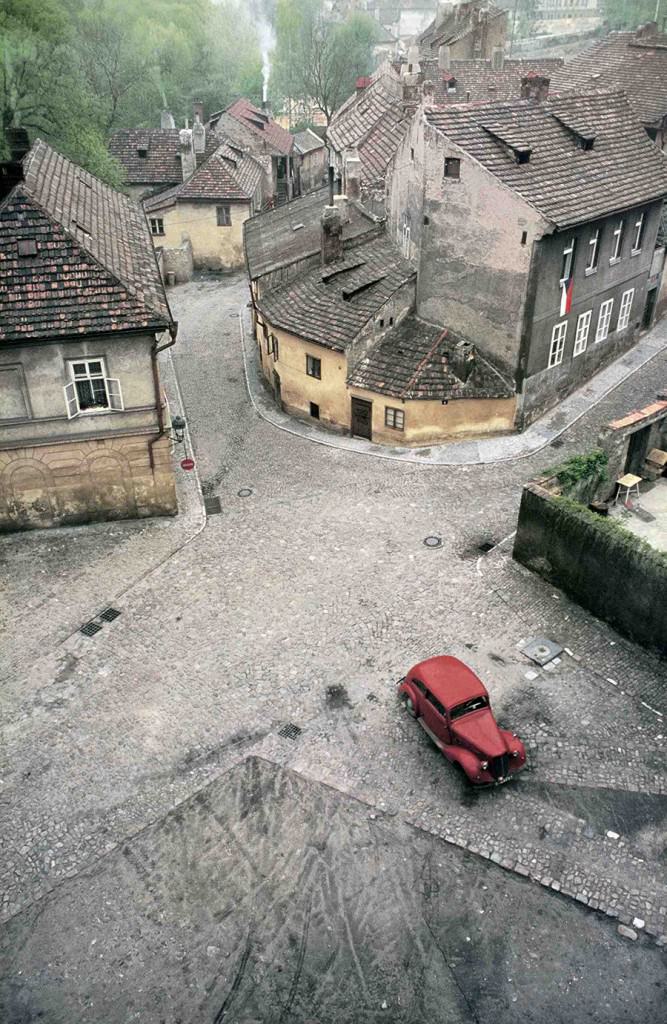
<point x="157" y="226"/>
<point x="558" y="336"/>
<point x="567" y="269"/>
<point x="112" y="388"/>
<point x="394" y="418"/>
<point x="594" y="250"/>
<point x="604" y="320"/>
<point x="618" y="242"/>
<point x="583" y="328"/>
<point x="639" y="231"/>
<point x="625" y="309"/>
<point x="405" y="240"/>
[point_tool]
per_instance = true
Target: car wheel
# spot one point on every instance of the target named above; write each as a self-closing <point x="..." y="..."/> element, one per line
<point x="410" y="708"/>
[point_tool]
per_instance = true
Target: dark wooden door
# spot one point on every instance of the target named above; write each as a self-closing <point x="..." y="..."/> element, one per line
<point x="651" y="296"/>
<point x="362" y="413"/>
<point x="637" y="450"/>
<point x="276" y="390"/>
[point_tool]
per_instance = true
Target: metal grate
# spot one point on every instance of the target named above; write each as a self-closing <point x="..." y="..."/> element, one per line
<point x="90" y="628"/>
<point x="541" y="651"/>
<point x="557" y="443"/>
<point x="486" y="546"/>
<point x="109" y="614"/>
<point x="212" y="506"/>
<point x="433" y="541"/>
<point x="290" y="731"/>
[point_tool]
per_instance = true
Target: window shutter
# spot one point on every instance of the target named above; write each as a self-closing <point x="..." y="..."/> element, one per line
<point x="71" y="400"/>
<point x="115" y="394"/>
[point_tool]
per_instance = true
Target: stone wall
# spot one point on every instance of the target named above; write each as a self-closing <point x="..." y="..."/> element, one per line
<point x="602" y="567"/>
<point x="178" y="261"/>
<point x="85" y="481"/>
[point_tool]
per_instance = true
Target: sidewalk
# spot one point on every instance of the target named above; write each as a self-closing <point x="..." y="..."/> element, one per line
<point x="459" y="453"/>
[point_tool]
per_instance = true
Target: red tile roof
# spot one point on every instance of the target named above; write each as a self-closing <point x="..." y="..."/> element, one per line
<point x="476" y="80"/>
<point x="162" y="163"/>
<point x="258" y="122"/>
<point x="228" y="174"/>
<point x="94" y="268"/>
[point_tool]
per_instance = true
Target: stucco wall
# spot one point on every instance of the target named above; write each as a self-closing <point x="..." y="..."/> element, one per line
<point x="178" y="260"/>
<point x="213" y="247"/>
<point x="313" y="169"/>
<point x="85" y="481"/>
<point x="582" y="554"/>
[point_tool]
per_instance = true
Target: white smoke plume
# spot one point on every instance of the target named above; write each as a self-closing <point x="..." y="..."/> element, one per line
<point x="262" y="14"/>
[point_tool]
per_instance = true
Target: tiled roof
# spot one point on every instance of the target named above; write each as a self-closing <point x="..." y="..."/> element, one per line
<point x="228" y="174"/>
<point x="307" y="141"/>
<point x="414" y="362"/>
<point x="330" y="305"/>
<point x="622" y="62"/>
<point x="455" y="26"/>
<point x="162" y="163"/>
<point x="373" y="121"/>
<point x="292" y="232"/>
<point x="94" y="268"/>
<point x="267" y="131"/>
<point x="566" y="183"/>
<point x="476" y="81"/>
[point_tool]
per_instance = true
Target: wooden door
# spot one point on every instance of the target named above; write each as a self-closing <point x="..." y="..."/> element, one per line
<point x="362" y="421"/>
<point x="276" y="390"/>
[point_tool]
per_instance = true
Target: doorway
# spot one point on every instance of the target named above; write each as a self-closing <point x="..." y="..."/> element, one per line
<point x="637" y="450"/>
<point x="362" y="418"/>
<point x="276" y="390"/>
<point x="651" y="297"/>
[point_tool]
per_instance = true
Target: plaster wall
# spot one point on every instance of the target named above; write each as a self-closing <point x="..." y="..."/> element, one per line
<point x="213" y="247"/>
<point x="313" y="169"/>
<point x="178" y="261"/>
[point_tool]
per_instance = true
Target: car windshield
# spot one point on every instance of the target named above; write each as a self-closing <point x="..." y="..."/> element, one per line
<point x="474" y="704"/>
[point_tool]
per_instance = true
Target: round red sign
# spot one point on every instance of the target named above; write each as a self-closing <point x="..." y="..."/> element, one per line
<point x="187" y="463"/>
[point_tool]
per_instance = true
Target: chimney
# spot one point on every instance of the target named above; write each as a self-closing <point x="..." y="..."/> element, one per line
<point x="353" y="176"/>
<point x="411" y="80"/>
<point x="197" y="111"/>
<point x="498" y="58"/>
<point x="167" y="120"/>
<point x="331" y="184"/>
<point x="462" y="358"/>
<point x="535" y="87"/>
<point x="11" y="171"/>
<point x="647" y="30"/>
<point x="332" y="235"/>
<point x="187" y="153"/>
<point x="340" y="203"/>
<point x="444" y="60"/>
<point x="362" y="84"/>
<point x="199" y="138"/>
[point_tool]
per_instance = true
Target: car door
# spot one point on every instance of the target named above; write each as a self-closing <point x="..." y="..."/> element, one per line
<point x="435" y="717"/>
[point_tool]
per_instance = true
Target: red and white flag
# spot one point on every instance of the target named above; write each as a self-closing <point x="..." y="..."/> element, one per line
<point x="566" y="296"/>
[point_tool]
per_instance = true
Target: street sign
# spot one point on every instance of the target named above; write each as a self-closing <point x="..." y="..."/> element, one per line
<point x="187" y="464"/>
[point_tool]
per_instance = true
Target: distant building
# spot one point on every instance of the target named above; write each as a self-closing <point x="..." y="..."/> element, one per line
<point x="470" y="29"/>
<point x="83" y="315"/>
<point x="314" y="160"/>
<point x="485" y="81"/>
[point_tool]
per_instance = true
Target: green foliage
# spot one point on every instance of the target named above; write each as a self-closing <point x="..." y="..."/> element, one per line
<point x="630" y="14"/>
<point x="592" y="466"/>
<point x="613" y="532"/>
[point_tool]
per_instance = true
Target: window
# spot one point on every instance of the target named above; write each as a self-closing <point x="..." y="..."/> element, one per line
<point x="452" y="167"/>
<point x="275" y="349"/>
<point x="604" y="317"/>
<point x="420" y="686"/>
<point x="581" y="337"/>
<point x="557" y="343"/>
<point x="451" y="86"/>
<point x="524" y="237"/>
<point x="567" y="267"/>
<point x="405" y="240"/>
<point x="157" y="226"/>
<point x="639" y="231"/>
<point x="394" y="418"/>
<point x="436" y="703"/>
<point x="90" y="390"/>
<point x="625" y="309"/>
<point x="142" y="152"/>
<point x="314" y="367"/>
<point x="412" y="155"/>
<point x="618" y="241"/>
<point x="381" y="323"/>
<point x="224" y="216"/>
<point x="474" y="704"/>
<point x="593" y="252"/>
<point x="315" y="410"/>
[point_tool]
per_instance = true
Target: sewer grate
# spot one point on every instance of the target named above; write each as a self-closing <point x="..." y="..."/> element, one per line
<point x="373" y="698"/>
<point x="212" y="506"/>
<point x="290" y="731"/>
<point x="433" y="541"/>
<point x="90" y="628"/>
<point x="109" y="614"/>
<point x="486" y="546"/>
<point x="541" y="650"/>
<point x="557" y="443"/>
<point x="245" y="492"/>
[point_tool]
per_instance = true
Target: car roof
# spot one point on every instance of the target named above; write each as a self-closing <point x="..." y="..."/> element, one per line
<point x="449" y="679"/>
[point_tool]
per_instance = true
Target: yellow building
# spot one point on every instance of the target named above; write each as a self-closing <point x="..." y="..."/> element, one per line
<point x="209" y="209"/>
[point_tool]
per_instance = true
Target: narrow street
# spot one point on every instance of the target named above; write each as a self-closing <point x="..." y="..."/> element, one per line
<point x="301" y="603"/>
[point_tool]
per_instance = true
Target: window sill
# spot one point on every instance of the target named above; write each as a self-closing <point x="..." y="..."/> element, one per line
<point x="589" y="271"/>
<point x="615" y="260"/>
<point x="636" y="252"/>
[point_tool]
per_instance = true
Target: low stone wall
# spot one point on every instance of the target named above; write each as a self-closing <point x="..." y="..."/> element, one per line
<point x="609" y="571"/>
<point x="179" y="261"/>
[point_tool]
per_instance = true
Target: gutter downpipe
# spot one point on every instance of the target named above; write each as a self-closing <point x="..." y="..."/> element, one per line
<point x="156" y="348"/>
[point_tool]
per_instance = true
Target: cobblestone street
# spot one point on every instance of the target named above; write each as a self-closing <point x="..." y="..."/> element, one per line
<point x="303" y="602"/>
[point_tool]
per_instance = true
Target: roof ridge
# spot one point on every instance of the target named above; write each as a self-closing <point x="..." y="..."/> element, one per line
<point x="421" y="365"/>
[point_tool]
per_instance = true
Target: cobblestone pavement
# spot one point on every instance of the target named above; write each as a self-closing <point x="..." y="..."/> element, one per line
<point x="303" y="602"/>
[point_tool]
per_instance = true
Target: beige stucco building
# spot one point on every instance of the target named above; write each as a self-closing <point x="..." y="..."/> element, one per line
<point x="83" y="420"/>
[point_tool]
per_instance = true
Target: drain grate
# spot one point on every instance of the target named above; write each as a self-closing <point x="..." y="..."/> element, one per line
<point x="212" y="506"/>
<point x="557" y="443"/>
<point x="433" y="541"/>
<point x="290" y="731"/>
<point x="541" y="651"/>
<point x="245" y="492"/>
<point x="486" y="546"/>
<point x="109" y="614"/>
<point x="90" y="628"/>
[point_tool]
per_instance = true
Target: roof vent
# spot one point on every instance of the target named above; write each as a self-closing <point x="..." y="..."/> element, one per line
<point x="142" y="152"/>
<point x="27" y="247"/>
<point x="516" y="148"/>
<point x="349" y="293"/>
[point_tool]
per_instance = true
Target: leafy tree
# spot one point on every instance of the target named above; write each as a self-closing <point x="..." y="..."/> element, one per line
<point x="629" y="14"/>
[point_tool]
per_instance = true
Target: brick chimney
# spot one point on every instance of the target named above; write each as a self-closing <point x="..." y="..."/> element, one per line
<point x="352" y="172"/>
<point x="362" y="84"/>
<point x="167" y="119"/>
<point x="535" y="87"/>
<point x="187" y="153"/>
<point x="197" y="111"/>
<point x="332" y="235"/>
<point x="199" y="138"/>
<point x="411" y="80"/>
<point x="650" y="28"/>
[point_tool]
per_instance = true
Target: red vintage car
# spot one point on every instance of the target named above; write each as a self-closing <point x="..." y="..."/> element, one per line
<point x="452" y="706"/>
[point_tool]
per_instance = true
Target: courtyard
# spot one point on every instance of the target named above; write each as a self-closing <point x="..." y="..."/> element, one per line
<point x="249" y="681"/>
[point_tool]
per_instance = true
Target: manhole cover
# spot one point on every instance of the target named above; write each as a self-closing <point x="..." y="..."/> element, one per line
<point x="433" y="542"/>
<point x="540" y="650"/>
<point x="90" y="629"/>
<point x="109" y="614"/>
<point x="245" y="492"/>
<point x="212" y="506"/>
<point x="290" y="731"/>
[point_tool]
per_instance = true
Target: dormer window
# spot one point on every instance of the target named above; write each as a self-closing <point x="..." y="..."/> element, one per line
<point x="142" y="152"/>
<point x="451" y="85"/>
<point x="522" y="154"/>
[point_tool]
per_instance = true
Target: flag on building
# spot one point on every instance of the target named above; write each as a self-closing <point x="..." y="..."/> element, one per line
<point x="566" y="296"/>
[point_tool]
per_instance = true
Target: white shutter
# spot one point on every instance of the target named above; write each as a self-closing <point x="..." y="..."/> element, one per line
<point x="71" y="400"/>
<point x="115" y="393"/>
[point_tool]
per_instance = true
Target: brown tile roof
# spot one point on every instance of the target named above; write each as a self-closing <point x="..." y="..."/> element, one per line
<point x="567" y="184"/>
<point x="374" y="122"/>
<point x="330" y="305"/>
<point x="94" y="268"/>
<point x="476" y="81"/>
<point x="307" y="141"/>
<point x="262" y="127"/>
<point x="414" y="362"/>
<point x="228" y="174"/>
<point x="162" y="163"/>
<point x="292" y="232"/>
<point x="622" y="62"/>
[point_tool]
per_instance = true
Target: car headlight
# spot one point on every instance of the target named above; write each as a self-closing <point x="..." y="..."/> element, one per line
<point x="515" y="753"/>
<point x="484" y="765"/>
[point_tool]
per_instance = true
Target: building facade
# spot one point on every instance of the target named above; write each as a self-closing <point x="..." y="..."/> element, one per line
<point x="83" y="316"/>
